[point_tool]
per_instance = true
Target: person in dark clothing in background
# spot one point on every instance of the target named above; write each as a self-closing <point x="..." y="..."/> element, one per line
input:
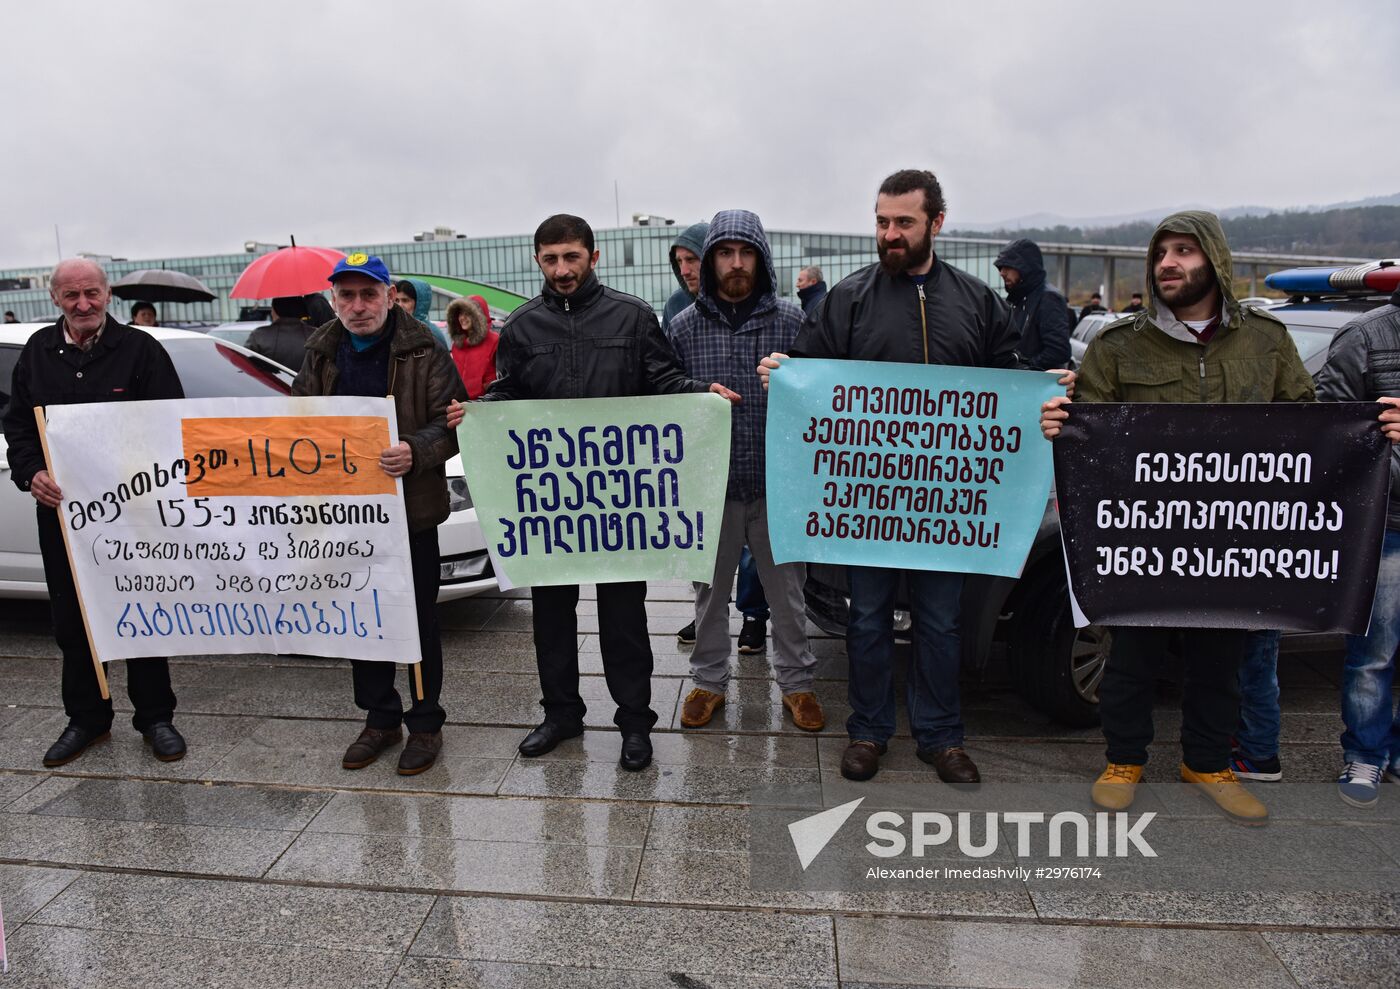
<point x="284" y="339"/>
<point x="550" y="347"/>
<point x="10" y="316"/>
<point x="87" y="356"/>
<point x="1038" y="313"/>
<point x="1094" y="305"/>
<point x="143" y="314"/>
<point x="811" y="288"/>
<point x="1136" y="305"/>
<point x="685" y="262"/>
<point x="318" y="310"/>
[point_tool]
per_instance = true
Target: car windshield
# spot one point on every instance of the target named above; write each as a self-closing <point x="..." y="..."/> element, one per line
<point x="1310" y="343"/>
<point x="210" y="369"/>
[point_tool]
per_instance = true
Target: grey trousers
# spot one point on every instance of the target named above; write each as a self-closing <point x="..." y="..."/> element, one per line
<point x="793" y="662"/>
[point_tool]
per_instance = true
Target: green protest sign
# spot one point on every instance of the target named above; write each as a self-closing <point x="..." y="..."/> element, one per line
<point x="594" y="490"/>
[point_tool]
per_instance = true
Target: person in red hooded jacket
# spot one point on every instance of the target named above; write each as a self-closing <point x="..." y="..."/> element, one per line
<point x="473" y="343"/>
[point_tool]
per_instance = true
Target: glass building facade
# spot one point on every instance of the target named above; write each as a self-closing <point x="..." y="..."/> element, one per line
<point x="633" y="260"/>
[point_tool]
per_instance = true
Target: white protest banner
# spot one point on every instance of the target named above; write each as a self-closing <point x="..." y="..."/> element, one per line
<point x="236" y="525"/>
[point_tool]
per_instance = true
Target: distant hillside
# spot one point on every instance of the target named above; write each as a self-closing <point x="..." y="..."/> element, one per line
<point x="1363" y="232"/>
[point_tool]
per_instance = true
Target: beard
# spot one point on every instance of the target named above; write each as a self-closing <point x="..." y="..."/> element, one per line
<point x="737" y="285"/>
<point x="1191" y="289"/>
<point x="909" y="256"/>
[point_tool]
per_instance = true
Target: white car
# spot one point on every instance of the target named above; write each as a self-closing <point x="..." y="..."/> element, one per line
<point x="1086" y="329"/>
<point x="213" y="368"/>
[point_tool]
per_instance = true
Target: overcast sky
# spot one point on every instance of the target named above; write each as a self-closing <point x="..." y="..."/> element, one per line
<point x="147" y="129"/>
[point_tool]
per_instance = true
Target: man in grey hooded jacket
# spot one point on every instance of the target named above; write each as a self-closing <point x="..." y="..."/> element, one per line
<point x="736" y="320"/>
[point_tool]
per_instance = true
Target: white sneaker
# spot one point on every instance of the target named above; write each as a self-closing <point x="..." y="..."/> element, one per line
<point x="1360" y="784"/>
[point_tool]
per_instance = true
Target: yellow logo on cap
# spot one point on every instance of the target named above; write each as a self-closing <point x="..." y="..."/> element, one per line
<point x="357" y="259"/>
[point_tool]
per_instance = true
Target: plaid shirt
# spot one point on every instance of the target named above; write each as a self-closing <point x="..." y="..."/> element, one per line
<point x="711" y="351"/>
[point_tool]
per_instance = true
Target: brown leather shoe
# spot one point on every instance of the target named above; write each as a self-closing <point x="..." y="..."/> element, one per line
<point x="806" y="710"/>
<point x="699" y="707"/>
<point x="369" y="745"/>
<point x="420" y="753"/>
<point x="953" y="764"/>
<point x="861" y="760"/>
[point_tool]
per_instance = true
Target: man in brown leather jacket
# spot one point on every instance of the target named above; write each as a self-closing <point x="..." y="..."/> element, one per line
<point x="374" y="349"/>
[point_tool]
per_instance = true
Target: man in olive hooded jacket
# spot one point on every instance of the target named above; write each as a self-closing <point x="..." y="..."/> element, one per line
<point x="1178" y="349"/>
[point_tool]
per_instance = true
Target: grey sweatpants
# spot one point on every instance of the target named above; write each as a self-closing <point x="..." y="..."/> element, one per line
<point x="793" y="662"/>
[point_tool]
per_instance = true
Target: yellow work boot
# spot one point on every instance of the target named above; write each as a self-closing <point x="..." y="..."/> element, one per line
<point x="1116" y="786"/>
<point x="1229" y="795"/>
<point x="699" y="707"/>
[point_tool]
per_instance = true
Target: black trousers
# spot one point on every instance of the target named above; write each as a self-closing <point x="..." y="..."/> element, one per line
<point x="147" y="680"/>
<point x="374" y="681"/>
<point x="627" y="661"/>
<point x="1210" y="703"/>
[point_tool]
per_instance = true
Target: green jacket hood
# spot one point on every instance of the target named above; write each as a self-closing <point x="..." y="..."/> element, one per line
<point x="1206" y="228"/>
<point x="423" y="299"/>
<point x="692" y="238"/>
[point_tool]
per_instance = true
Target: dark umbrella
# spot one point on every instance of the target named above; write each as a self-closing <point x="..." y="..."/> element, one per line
<point x="160" y="285"/>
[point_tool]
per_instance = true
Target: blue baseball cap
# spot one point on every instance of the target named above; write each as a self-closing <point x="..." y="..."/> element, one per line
<point x="361" y="264"/>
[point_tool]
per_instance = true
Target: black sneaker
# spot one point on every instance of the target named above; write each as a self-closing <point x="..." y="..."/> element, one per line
<point x="686" y="636"/>
<point x="753" y="637"/>
<point x="1249" y="768"/>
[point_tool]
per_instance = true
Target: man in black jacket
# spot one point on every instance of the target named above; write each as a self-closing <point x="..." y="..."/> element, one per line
<point x="1361" y="367"/>
<point x="1038" y="313"/>
<point x="87" y="356"/>
<point x="910" y="308"/>
<point x="284" y="339"/>
<point x="811" y="288"/>
<point x="580" y="339"/>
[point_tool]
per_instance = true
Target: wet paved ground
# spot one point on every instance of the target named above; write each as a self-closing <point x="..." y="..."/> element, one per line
<point x="258" y="861"/>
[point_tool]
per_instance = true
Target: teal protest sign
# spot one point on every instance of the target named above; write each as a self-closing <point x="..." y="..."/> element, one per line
<point x="594" y="490"/>
<point x="911" y="466"/>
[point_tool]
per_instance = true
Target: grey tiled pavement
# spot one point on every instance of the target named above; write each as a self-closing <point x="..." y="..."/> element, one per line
<point x="258" y="861"/>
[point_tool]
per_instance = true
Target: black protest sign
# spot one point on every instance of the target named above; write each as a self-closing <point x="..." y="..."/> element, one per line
<point x="1223" y="516"/>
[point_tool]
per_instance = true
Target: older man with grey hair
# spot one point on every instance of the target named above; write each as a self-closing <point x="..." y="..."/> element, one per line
<point x="811" y="288"/>
<point x="87" y="356"/>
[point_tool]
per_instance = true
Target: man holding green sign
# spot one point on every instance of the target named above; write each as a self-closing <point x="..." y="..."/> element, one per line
<point x="581" y="340"/>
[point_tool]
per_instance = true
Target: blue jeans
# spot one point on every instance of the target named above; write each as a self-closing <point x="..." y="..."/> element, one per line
<point x="1257" y="734"/>
<point x="749" y="598"/>
<point x="935" y="715"/>
<point x="1372" y="723"/>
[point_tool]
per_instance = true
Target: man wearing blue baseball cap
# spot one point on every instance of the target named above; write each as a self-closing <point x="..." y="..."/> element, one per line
<point x="371" y="341"/>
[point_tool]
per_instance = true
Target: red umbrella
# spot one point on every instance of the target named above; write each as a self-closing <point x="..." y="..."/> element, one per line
<point x="286" y="271"/>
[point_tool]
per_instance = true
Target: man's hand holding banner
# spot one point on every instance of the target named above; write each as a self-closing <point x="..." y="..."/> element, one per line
<point x="1223" y="516"/>
<point x="919" y="467"/>
<point x="593" y="490"/>
<point x="236" y="525"/>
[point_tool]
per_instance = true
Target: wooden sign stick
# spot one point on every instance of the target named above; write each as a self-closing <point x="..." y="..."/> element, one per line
<point x="68" y="549"/>
<point x="398" y="483"/>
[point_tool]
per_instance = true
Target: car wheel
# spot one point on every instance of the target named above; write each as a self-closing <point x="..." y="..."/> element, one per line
<point x="1057" y="667"/>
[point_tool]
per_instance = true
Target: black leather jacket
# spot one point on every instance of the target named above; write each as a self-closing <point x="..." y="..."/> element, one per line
<point x="593" y="343"/>
<point x="872" y="315"/>
<point x="1363" y="364"/>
